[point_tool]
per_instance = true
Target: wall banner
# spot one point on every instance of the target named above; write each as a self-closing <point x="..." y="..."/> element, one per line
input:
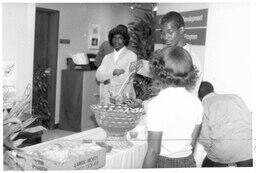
<point x="196" y="18"/>
<point x="194" y="36"/>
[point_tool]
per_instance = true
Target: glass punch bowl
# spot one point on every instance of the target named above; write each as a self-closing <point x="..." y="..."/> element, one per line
<point x="117" y="120"/>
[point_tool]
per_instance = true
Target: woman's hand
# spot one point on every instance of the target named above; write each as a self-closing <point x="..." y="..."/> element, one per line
<point x="117" y="72"/>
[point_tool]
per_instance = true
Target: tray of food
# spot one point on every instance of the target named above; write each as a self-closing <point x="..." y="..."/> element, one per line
<point x="62" y="155"/>
<point x="99" y="143"/>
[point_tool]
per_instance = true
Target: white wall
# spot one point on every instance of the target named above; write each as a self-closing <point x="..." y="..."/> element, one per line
<point x="18" y="41"/>
<point x="164" y="8"/>
<point x="228" y="56"/>
<point x="180" y="7"/>
<point x="75" y="20"/>
<point x="253" y="55"/>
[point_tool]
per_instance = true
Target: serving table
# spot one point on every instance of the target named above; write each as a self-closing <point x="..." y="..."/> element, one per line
<point x="116" y="159"/>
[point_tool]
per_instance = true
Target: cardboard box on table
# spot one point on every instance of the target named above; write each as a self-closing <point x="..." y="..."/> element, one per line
<point x="90" y="160"/>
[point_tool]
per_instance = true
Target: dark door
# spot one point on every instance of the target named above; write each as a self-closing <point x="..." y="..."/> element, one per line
<point x="45" y="65"/>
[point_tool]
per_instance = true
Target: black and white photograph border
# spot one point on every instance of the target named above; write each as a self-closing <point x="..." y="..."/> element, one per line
<point x="23" y="47"/>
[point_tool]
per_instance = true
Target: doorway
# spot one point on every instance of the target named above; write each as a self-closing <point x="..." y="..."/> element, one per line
<point x="45" y="65"/>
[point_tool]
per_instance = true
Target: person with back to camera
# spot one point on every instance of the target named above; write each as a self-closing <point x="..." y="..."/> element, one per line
<point x="174" y="116"/>
<point x="114" y="68"/>
<point x="172" y="33"/>
<point x="226" y="129"/>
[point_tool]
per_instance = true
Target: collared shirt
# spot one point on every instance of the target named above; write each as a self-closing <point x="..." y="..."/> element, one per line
<point x="106" y="48"/>
<point x="175" y="112"/>
<point x="197" y="64"/>
<point x="226" y="132"/>
<point x="117" y="53"/>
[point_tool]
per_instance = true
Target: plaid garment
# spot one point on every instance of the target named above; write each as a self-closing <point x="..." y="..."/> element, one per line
<point x="166" y="162"/>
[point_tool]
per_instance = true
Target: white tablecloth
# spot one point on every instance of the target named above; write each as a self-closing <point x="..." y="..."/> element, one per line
<point x="117" y="159"/>
<point x="129" y="158"/>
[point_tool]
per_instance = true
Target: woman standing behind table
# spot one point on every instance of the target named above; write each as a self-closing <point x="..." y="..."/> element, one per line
<point x="114" y="68"/>
<point x="174" y="116"/>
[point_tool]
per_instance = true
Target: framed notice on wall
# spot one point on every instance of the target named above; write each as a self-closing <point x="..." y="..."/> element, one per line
<point x="94" y="42"/>
<point x="94" y="36"/>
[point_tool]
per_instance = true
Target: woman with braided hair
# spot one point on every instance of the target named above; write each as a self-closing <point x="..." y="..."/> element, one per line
<point x="174" y="116"/>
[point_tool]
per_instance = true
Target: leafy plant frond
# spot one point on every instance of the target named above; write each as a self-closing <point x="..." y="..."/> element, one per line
<point x="34" y="129"/>
<point x="18" y="142"/>
<point x="142" y="39"/>
<point x="13" y="120"/>
<point x="17" y="120"/>
<point x="28" y="121"/>
<point x="40" y="98"/>
<point x="10" y="129"/>
<point x="14" y="135"/>
<point x="14" y="123"/>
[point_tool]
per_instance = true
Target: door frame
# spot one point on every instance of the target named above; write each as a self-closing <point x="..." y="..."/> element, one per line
<point x="52" y="46"/>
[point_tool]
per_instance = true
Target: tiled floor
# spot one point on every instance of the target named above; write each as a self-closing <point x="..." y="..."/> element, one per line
<point x="53" y="134"/>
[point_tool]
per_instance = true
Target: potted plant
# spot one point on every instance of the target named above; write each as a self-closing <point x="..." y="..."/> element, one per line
<point x="15" y="122"/>
<point x="39" y="101"/>
<point x="142" y="39"/>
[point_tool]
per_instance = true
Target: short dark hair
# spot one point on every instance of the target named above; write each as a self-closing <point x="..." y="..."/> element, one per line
<point x="122" y="30"/>
<point x="205" y="88"/>
<point x="173" y="16"/>
<point x="122" y="27"/>
<point x="173" y="66"/>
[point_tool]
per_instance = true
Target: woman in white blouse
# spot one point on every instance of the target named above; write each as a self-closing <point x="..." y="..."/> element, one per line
<point x="174" y="116"/>
<point x="114" y="68"/>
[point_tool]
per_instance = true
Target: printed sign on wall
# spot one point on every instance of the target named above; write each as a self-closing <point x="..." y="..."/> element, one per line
<point x="195" y="36"/>
<point x="195" y="26"/>
<point x="195" y="18"/>
<point x="94" y="36"/>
